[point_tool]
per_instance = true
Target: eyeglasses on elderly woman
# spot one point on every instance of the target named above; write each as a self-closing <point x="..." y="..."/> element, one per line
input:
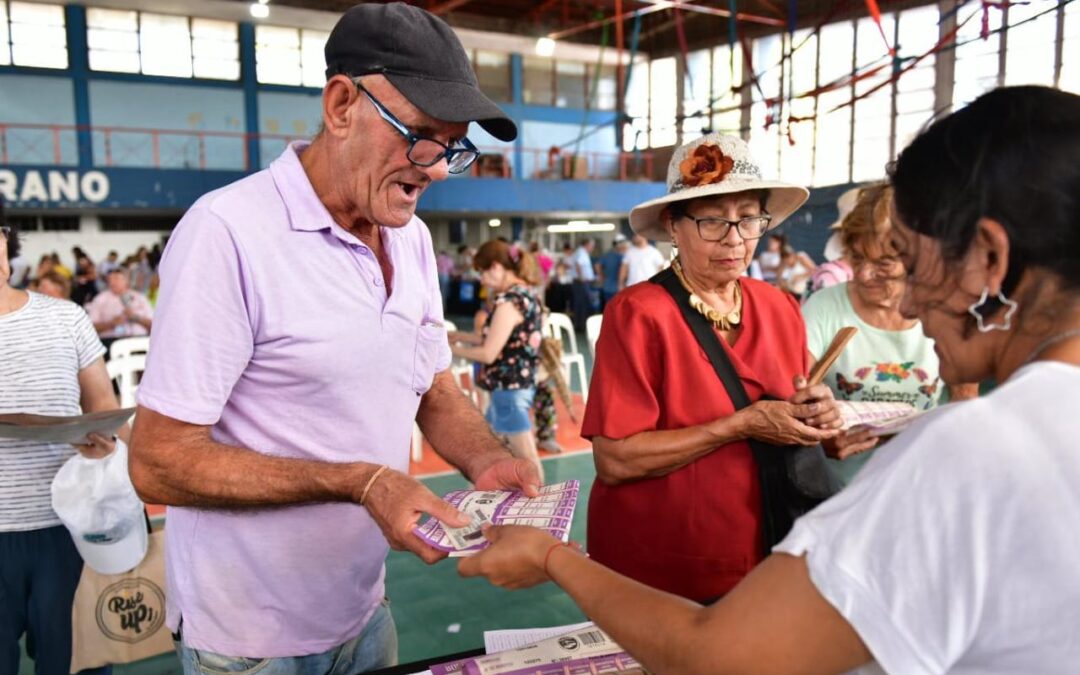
<point x="715" y="228"/>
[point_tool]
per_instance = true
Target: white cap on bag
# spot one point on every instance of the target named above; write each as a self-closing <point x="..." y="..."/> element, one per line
<point x="97" y="502"/>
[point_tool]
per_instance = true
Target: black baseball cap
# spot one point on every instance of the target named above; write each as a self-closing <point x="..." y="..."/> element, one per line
<point x="421" y="56"/>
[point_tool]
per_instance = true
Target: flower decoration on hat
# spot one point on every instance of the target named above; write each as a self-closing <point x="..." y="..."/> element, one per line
<point x="705" y="165"/>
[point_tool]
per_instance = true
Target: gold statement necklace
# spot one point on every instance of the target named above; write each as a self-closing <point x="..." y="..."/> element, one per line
<point x="721" y="320"/>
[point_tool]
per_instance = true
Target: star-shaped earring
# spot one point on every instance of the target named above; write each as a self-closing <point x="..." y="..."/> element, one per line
<point x="984" y="327"/>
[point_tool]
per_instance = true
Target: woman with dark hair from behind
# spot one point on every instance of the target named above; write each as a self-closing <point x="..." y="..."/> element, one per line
<point x="508" y="347"/>
<point x="85" y="281"/>
<point x="955" y="549"/>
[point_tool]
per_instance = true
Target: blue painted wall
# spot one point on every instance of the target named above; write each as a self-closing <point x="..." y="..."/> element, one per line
<point x="173" y="107"/>
<point x="218" y="131"/>
<point x="285" y="114"/>
<point x="38" y="100"/>
<point x="571" y="137"/>
<point x="36" y="187"/>
<point x="808" y="228"/>
<point x="536" y="197"/>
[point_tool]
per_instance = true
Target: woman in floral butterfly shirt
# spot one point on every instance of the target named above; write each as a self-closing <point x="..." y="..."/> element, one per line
<point x="889" y="359"/>
<point x="509" y="346"/>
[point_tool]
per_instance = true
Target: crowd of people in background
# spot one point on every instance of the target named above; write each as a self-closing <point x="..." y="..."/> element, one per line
<point x="118" y="294"/>
<point x="581" y="277"/>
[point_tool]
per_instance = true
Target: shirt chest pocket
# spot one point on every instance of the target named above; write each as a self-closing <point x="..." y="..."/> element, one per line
<point x="430" y="342"/>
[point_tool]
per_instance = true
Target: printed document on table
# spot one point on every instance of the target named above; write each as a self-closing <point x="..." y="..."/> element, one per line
<point x="501" y="640"/>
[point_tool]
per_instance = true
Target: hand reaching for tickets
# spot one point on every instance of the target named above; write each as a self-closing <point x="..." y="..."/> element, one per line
<point x="509" y="473"/>
<point x="850" y="443"/>
<point x="397" y="502"/>
<point x="515" y="558"/>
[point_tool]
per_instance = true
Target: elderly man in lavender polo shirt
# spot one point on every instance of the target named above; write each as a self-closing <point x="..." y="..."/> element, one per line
<point x="298" y="335"/>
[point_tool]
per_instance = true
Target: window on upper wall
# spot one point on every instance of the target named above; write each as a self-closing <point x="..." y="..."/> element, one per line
<point x="976" y="69"/>
<point x="292" y="56"/>
<point x="1070" y="50"/>
<point x="727" y="78"/>
<point x="5" y="41"/>
<point x="797" y="136"/>
<point x="696" y="94"/>
<point x="165" y="45"/>
<point x="832" y="146"/>
<point x="112" y="36"/>
<point x="663" y="103"/>
<point x="570" y="84"/>
<point x="126" y="41"/>
<point x="1031" y="43"/>
<point x="32" y="35"/>
<point x="636" y="132"/>
<point x="313" y="57"/>
<point x="604" y="88"/>
<point x="917" y="32"/>
<point x="764" y="124"/>
<point x="493" y="74"/>
<point x="873" y="113"/>
<point x="538" y="80"/>
<point x="215" y="50"/>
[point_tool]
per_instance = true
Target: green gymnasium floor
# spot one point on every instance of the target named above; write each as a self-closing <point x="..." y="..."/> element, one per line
<point x="436" y="611"/>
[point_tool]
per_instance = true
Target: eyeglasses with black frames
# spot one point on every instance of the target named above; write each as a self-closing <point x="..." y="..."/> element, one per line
<point x="424" y="151"/>
<point x="715" y="228"/>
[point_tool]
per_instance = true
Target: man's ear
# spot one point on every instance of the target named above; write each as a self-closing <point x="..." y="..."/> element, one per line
<point x="988" y="256"/>
<point x="338" y="97"/>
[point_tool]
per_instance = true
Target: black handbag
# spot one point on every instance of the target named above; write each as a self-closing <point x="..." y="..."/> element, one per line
<point x="794" y="479"/>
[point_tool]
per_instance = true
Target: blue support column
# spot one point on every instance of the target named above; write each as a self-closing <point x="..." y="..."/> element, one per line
<point x="251" y="95"/>
<point x="517" y="87"/>
<point x="517" y="226"/>
<point x="79" y="65"/>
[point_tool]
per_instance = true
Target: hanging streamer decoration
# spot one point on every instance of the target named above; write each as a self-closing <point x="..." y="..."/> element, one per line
<point x="862" y="71"/>
<point x="875" y="14"/>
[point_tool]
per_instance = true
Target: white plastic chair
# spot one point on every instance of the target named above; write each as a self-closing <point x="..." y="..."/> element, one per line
<point x="462" y="367"/>
<point x="126" y="372"/>
<point x="416" y="445"/>
<point x="592" y="332"/>
<point x="128" y="346"/>
<point x="560" y="327"/>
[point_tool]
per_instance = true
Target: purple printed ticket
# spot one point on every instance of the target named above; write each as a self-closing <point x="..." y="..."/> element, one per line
<point x="551" y="510"/>
<point x="586" y="651"/>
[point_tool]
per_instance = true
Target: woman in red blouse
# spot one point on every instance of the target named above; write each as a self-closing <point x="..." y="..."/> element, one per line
<point x="677" y="504"/>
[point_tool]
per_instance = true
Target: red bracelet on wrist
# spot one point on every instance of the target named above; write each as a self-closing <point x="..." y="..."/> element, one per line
<point x="551" y="549"/>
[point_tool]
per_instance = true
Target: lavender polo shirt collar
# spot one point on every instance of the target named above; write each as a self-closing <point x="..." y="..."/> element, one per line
<point x="273" y="327"/>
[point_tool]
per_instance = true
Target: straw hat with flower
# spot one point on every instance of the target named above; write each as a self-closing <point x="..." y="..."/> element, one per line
<point x="713" y="165"/>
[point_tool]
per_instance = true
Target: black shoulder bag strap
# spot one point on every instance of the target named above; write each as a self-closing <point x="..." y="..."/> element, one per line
<point x="769" y="458"/>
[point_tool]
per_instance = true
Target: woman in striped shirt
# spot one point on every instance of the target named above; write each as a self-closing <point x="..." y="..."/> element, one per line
<point x="51" y="365"/>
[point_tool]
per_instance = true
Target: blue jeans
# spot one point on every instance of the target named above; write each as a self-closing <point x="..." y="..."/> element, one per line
<point x="509" y="410"/>
<point x="39" y="572"/>
<point x="375" y="647"/>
